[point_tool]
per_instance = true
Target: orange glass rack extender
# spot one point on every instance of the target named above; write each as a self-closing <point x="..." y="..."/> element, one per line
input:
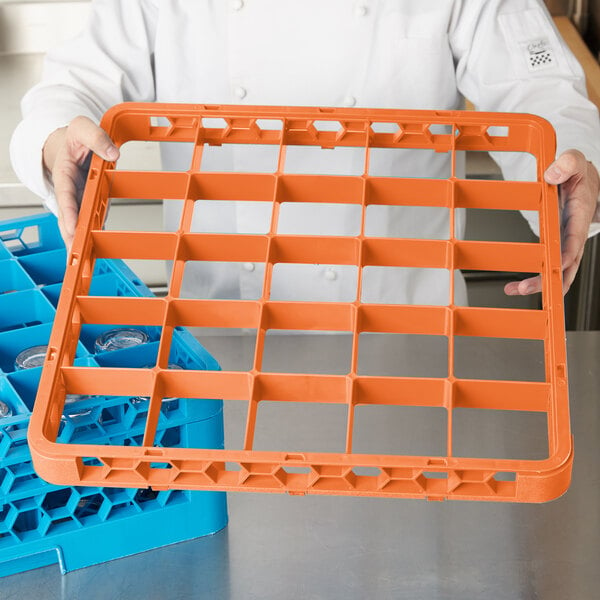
<point x="205" y="127"/>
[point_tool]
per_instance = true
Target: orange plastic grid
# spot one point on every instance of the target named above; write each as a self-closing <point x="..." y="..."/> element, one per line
<point x="432" y="477"/>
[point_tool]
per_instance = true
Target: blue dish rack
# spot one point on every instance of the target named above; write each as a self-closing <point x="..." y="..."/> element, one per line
<point x="41" y="523"/>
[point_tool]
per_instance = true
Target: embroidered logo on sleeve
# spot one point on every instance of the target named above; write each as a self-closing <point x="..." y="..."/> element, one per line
<point x="538" y="54"/>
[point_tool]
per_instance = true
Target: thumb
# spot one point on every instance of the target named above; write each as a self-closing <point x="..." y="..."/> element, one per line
<point x="569" y="163"/>
<point x="87" y="133"/>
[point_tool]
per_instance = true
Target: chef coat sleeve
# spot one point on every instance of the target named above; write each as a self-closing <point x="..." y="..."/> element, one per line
<point x="510" y="57"/>
<point x="110" y="61"/>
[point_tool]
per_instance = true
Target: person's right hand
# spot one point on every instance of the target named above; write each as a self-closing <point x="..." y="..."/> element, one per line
<point x="66" y="155"/>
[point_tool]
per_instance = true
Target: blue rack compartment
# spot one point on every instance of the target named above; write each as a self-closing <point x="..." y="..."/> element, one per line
<point x="45" y="268"/>
<point x="108" y="280"/>
<point x="14" y="277"/>
<point x="145" y="356"/>
<point x="42" y="523"/>
<point x="15" y="340"/>
<point x="24" y="309"/>
<point x="4" y="252"/>
<point x="10" y="397"/>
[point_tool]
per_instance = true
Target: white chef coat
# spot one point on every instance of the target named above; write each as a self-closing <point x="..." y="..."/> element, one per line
<point x="410" y="54"/>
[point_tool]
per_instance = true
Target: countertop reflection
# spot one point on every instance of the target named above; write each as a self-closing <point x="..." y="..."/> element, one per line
<point x="279" y="546"/>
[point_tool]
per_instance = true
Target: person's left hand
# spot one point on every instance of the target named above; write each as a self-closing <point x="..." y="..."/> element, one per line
<point x="578" y="193"/>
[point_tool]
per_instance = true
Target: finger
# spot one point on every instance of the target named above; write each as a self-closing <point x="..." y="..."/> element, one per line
<point x="568" y="278"/>
<point x="568" y="164"/>
<point x="573" y="240"/>
<point x="66" y="236"/>
<point x="531" y="285"/>
<point x="85" y="132"/>
<point x="67" y="222"/>
<point x="64" y="176"/>
<point x="576" y="217"/>
<point x="570" y="272"/>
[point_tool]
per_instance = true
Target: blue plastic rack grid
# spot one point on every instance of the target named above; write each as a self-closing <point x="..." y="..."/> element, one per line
<point x="41" y="523"/>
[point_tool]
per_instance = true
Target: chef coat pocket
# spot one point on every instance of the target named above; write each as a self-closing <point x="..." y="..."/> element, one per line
<point x="533" y="45"/>
<point x="423" y="72"/>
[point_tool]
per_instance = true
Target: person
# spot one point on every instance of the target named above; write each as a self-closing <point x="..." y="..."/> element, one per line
<point x="503" y="55"/>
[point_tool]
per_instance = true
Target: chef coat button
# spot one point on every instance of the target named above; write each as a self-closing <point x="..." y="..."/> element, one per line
<point x="248" y="266"/>
<point x="349" y="101"/>
<point x="240" y="92"/>
<point x="237" y="4"/>
<point x="330" y="275"/>
<point x="361" y="10"/>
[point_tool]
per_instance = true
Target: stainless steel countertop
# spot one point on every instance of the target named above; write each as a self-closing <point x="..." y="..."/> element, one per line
<point x="321" y="547"/>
